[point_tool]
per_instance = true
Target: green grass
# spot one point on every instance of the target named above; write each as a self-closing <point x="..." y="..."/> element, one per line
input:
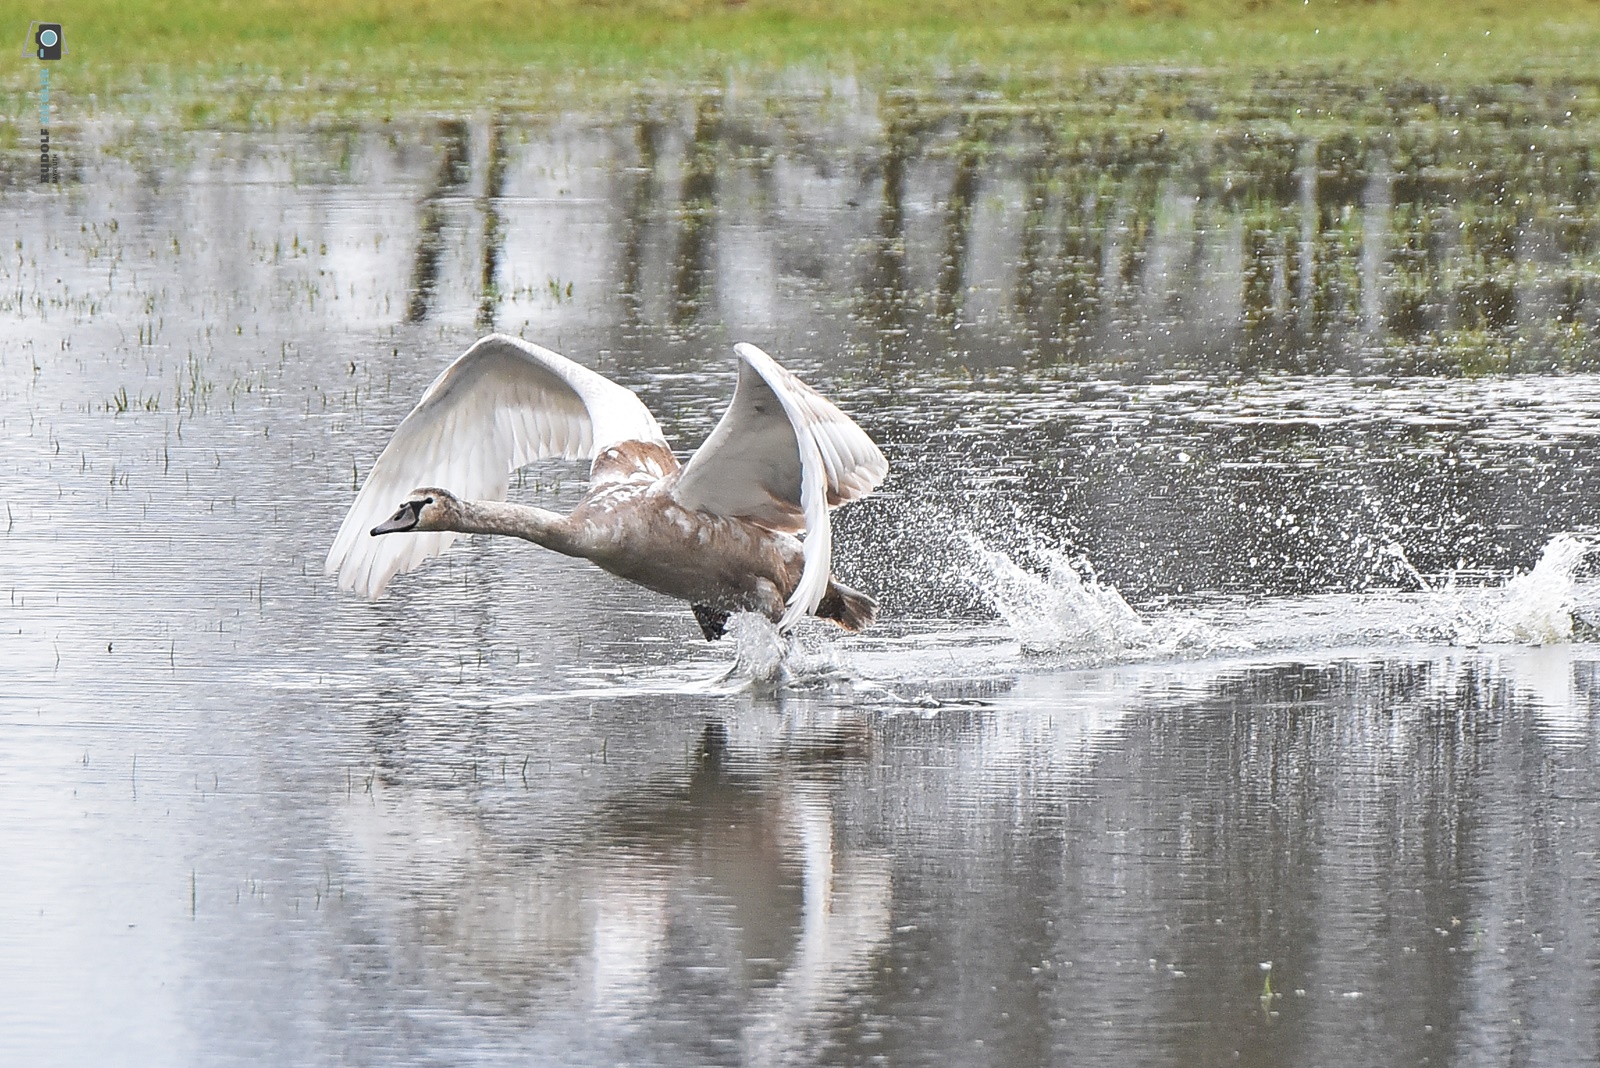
<point x="243" y="62"/>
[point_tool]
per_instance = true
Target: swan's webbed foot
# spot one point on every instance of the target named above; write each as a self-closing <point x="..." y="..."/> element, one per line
<point x="713" y="621"/>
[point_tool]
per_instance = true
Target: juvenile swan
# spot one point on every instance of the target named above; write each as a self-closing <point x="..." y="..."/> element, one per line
<point x="718" y="532"/>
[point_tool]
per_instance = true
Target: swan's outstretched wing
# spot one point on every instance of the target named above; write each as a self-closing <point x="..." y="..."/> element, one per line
<point x="782" y="456"/>
<point x="502" y="404"/>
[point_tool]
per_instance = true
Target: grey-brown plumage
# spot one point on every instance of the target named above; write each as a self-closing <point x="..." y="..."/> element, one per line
<point x="718" y="532"/>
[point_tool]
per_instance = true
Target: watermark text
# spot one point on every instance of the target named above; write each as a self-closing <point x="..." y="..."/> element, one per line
<point x="45" y="44"/>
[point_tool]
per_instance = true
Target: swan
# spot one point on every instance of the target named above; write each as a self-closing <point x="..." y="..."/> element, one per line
<point x="718" y="532"/>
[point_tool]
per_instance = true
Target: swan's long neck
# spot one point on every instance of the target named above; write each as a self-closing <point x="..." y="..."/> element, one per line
<point x="549" y="529"/>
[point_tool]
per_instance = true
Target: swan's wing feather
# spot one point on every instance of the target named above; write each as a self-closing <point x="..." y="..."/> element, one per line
<point x="751" y="464"/>
<point x="781" y="456"/>
<point x="502" y="404"/>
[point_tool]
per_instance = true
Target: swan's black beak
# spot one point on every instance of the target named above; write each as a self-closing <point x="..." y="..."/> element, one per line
<point x="404" y="518"/>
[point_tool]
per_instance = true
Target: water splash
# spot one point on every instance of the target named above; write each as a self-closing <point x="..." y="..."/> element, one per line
<point x="1065" y="610"/>
<point x="758" y="649"/>
<point x="764" y="657"/>
<point x="1391" y="555"/>
<point x="1535" y="608"/>
<point x="1059" y="607"/>
<point x="1068" y="611"/>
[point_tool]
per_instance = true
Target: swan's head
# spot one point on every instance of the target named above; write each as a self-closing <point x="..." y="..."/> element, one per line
<point x="425" y="509"/>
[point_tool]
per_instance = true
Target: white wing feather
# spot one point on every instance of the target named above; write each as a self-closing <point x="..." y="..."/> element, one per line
<point x="782" y="455"/>
<point x="502" y="404"/>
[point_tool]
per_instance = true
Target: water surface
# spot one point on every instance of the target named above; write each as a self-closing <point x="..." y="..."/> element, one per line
<point x="1234" y="699"/>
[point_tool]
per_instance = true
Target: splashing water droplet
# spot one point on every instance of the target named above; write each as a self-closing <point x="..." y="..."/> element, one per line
<point x="765" y="657"/>
<point x="1539" y="604"/>
<point x="1068" y="610"/>
<point x="758" y="648"/>
<point x="1532" y="609"/>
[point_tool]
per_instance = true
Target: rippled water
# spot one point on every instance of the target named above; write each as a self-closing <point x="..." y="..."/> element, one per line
<point x="1234" y="700"/>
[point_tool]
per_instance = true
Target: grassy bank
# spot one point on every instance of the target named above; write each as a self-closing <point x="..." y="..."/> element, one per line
<point x="250" y="61"/>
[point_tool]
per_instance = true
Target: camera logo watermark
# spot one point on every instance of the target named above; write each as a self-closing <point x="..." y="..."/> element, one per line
<point x="46" y="43"/>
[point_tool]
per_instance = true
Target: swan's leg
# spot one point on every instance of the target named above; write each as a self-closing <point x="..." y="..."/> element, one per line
<point x="713" y="621"/>
<point x="767" y="600"/>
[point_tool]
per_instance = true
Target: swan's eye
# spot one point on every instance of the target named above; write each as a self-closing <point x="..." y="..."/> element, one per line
<point x="427" y="500"/>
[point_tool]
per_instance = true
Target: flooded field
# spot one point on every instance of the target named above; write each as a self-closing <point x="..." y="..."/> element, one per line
<point x="1235" y="693"/>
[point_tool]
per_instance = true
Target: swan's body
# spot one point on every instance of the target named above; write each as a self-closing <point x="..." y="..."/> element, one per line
<point x="717" y="532"/>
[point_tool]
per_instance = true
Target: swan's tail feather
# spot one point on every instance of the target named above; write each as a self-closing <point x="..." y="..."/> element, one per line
<point x="851" y="609"/>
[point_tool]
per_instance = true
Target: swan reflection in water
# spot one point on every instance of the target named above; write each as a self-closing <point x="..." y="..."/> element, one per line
<point x="726" y="892"/>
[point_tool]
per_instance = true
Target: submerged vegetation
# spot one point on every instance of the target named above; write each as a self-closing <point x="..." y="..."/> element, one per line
<point x="305" y="58"/>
